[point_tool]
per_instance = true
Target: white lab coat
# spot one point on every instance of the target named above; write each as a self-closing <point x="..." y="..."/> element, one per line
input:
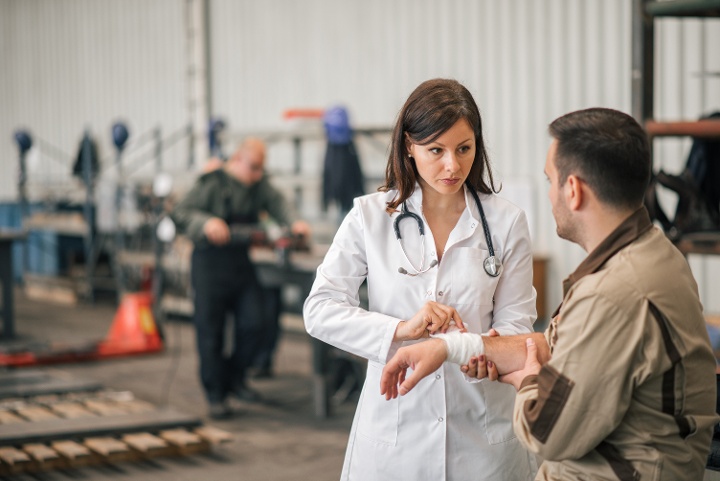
<point x="446" y="428"/>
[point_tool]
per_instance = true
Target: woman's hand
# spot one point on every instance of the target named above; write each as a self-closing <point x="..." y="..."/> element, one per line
<point x="431" y="318"/>
<point x="480" y="367"/>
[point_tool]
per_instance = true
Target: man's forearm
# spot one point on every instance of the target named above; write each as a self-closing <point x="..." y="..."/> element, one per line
<point x="509" y="352"/>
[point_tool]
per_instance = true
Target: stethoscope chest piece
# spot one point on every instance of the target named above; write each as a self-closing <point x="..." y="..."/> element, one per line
<point x="492" y="266"/>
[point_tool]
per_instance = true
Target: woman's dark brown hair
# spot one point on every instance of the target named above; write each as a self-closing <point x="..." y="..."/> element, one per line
<point x="433" y="107"/>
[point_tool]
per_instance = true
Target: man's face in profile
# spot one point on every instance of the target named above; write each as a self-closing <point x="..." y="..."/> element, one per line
<point x="560" y="211"/>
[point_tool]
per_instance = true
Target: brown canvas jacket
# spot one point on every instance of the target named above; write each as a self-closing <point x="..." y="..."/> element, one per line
<point x="629" y="393"/>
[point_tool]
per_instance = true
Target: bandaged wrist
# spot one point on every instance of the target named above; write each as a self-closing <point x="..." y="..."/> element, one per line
<point x="461" y="346"/>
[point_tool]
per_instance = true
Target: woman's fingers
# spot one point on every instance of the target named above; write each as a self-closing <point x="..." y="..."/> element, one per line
<point x="492" y="372"/>
<point x="476" y="367"/>
<point x="443" y="317"/>
<point x="458" y="321"/>
<point x="470" y="369"/>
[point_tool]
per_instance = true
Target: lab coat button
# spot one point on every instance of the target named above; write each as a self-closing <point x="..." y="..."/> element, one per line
<point x="440" y="420"/>
<point x="437" y="376"/>
<point x="440" y="293"/>
<point x="472" y="225"/>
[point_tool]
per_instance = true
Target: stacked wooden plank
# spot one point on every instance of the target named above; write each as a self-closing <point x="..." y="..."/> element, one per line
<point x="89" y="425"/>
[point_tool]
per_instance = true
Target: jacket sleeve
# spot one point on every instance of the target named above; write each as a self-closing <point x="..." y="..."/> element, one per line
<point x="581" y="395"/>
<point x="193" y="211"/>
<point x="332" y="311"/>
<point x="276" y="205"/>
<point x="514" y="310"/>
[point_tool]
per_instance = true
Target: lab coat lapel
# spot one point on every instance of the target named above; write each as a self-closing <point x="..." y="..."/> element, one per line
<point x="467" y="223"/>
<point x="465" y="227"/>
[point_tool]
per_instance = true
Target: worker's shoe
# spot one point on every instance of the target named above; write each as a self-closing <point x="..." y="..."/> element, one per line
<point x="219" y="410"/>
<point x="244" y="393"/>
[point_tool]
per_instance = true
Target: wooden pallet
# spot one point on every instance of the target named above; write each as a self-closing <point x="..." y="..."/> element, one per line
<point x="71" y="429"/>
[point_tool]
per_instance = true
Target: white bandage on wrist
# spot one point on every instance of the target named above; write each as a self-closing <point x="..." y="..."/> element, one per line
<point x="462" y="346"/>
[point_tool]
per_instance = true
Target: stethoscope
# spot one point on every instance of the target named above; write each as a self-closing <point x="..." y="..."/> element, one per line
<point x="491" y="265"/>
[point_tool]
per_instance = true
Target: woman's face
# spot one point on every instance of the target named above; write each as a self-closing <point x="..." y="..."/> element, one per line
<point x="445" y="163"/>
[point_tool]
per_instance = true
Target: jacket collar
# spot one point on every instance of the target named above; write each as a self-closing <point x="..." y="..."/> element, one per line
<point x="627" y="232"/>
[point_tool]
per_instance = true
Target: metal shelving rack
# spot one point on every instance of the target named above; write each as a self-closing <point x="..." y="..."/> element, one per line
<point x="645" y="12"/>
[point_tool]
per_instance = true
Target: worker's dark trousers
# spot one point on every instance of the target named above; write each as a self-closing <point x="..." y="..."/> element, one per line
<point x="271" y="309"/>
<point x="224" y="282"/>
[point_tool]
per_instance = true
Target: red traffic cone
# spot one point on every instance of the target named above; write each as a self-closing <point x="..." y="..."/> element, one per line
<point x="133" y="330"/>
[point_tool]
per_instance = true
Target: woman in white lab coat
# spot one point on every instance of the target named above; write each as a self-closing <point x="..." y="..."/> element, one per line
<point x="447" y="428"/>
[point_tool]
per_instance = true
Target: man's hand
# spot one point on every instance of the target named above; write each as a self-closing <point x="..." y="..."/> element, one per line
<point x="423" y="358"/>
<point x="300" y="228"/>
<point x="432" y="317"/>
<point x="532" y="366"/>
<point x="217" y="231"/>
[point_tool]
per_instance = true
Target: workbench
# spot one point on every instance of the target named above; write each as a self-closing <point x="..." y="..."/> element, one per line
<point x="299" y="270"/>
<point x="6" y="278"/>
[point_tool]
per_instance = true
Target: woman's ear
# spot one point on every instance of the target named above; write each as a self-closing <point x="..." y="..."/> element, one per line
<point x="408" y="146"/>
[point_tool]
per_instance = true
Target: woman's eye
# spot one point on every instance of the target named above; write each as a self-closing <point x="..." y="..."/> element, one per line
<point x="436" y="150"/>
<point x="464" y="149"/>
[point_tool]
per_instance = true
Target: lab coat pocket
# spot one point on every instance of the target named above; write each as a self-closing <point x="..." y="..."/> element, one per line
<point x="470" y="283"/>
<point x="377" y="418"/>
<point x="499" y="403"/>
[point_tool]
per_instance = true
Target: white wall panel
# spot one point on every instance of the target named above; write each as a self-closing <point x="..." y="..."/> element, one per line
<point x="68" y="64"/>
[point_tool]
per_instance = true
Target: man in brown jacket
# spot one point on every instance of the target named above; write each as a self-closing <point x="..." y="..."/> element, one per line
<point x="629" y="391"/>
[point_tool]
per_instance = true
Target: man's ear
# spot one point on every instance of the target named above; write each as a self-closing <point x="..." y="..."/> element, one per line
<point x="574" y="192"/>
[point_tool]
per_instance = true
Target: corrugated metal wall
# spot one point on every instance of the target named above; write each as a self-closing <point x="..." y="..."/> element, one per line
<point x="74" y="63"/>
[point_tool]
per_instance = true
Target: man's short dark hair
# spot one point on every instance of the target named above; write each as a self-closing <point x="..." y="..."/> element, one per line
<point x="608" y="150"/>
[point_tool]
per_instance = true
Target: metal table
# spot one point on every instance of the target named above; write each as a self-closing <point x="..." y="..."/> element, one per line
<point x="299" y="270"/>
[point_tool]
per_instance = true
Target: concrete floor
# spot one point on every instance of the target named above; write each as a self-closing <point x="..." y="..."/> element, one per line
<point x="280" y="439"/>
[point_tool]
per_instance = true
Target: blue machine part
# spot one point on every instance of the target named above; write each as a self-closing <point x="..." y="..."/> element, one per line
<point x="216" y="126"/>
<point x="120" y="135"/>
<point x="337" y="125"/>
<point x="23" y="139"/>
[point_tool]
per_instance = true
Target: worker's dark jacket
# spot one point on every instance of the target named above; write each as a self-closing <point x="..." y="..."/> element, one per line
<point x="217" y="194"/>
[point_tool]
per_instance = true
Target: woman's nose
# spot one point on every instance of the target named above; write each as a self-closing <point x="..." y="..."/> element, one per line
<point x="451" y="163"/>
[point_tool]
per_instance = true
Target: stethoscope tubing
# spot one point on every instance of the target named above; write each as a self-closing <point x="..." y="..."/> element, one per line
<point x="491" y="265"/>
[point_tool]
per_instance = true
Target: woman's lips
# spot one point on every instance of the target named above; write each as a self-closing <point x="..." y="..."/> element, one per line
<point x="449" y="181"/>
